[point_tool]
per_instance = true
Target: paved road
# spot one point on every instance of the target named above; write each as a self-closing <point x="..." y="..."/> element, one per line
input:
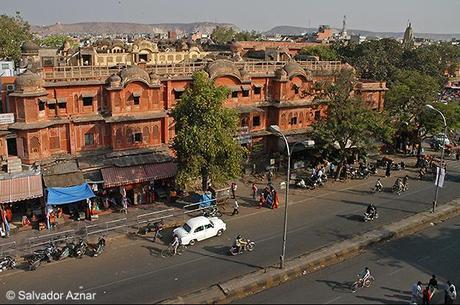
<point x="396" y="266"/>
<point x="131" y="271"/>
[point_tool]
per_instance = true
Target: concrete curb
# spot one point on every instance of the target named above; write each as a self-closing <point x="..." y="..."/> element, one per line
<point x="254" y="282"/>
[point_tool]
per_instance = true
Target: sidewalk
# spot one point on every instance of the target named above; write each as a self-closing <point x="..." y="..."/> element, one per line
<point x="79" y="228"/>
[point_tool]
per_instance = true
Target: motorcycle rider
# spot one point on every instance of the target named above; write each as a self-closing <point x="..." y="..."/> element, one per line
<point x="378" y="185"/>
<point x="365" y="274"/>
<point x="405" y="182"/>
<point x="371" y="210"/>
<point x="240" y="243"/>
<point x="398" y="186"/>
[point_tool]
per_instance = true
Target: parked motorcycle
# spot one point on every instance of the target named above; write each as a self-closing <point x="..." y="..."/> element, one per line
<point x="248" y="247"/>
<point x="152" y="227"/>
<point x="80" y="248"/>
<point x="65" y="252"/>
<point x="370" y="216"/>
<point x="7" y="262"/>
<point x="38" y="256"/>
<point x="97" y="249"/>
<point x="212" y="211"/>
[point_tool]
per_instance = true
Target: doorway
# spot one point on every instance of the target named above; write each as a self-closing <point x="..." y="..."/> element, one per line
<point x="12" y="147"/>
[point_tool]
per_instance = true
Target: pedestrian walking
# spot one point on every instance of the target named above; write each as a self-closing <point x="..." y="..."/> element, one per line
<point x="270" y="177"/>
<point x="416" y="293"/>
<point x="235" y="208"/>
<point x="426" y="296"/>
<point x="233" y="188"/>
<point x="433" y="283"/>
<point x="254" y="190"/>
<point x="450" y="293"/>
<point x="388" y="171"/>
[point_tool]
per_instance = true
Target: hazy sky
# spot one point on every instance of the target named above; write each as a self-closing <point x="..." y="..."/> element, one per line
<point x="435" y="16"/>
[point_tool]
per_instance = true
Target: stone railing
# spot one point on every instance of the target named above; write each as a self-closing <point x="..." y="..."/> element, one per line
<point x="85" y="73"/>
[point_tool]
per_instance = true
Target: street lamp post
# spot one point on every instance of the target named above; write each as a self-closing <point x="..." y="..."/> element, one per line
<point x="277" y="130"/>
<point x="435" y="202"/>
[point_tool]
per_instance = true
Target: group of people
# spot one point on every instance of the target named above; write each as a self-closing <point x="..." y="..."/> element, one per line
<point x="424" y="295"/>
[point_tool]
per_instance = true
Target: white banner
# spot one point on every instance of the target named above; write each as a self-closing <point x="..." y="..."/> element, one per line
<point x="440" y="174"/>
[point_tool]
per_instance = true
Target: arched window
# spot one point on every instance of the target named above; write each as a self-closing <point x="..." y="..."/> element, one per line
<point x="156" y="135"/>
<point x="129" y="136"/>
<point x="146" y="134"/>
<point x="34" y="145"/>
<point x="283" y="120"/>
<point x="301" y="120"/>
<point x="244" y="121"/>
<point x="119" y="136"/>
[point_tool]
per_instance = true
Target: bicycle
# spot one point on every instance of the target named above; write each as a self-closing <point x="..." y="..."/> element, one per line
<point x="168" y="252"/>
<point x="360" y="283"/>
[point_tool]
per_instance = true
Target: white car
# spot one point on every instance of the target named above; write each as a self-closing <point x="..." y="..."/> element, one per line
<point x="199" y="228"/>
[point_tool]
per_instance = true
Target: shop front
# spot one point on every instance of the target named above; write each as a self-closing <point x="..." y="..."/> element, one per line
<point x="21" y="200"/>
<point x="140" y="184"/>
<point x="68" y="195"/>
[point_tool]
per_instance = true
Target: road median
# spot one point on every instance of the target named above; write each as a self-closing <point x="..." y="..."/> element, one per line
<point x="257" y="281"/>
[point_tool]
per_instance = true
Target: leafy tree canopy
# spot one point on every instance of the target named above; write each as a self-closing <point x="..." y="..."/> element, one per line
<point x="349" y="122"/>
<point x="379" y="60"/>
<point x="56" y="41"/>
<point x="323" y="52"/>
<point x="205" y="130"/>
<point x="223" y="35"/>
<point x="14" y="31"/>
<point x="409" y="94"/>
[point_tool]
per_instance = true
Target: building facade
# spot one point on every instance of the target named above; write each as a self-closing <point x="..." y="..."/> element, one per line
<point x="79" y="113"/>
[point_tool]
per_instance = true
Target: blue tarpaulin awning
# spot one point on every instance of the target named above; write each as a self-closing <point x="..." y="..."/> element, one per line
<point x="206" y="200"/>
<point x="64" y="195"/>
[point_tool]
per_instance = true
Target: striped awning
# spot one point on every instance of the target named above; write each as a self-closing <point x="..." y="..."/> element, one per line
<point x="160" y="170"/>
<point x="20" y="188"/>
<point x="118" y="176"/>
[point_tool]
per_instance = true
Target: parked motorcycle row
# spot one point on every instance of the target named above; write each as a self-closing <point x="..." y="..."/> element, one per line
<point x="54" y="253"/>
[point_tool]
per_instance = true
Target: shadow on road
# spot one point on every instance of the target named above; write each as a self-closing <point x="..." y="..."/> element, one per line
<point x="219" y="251"/>
<point x="352" y="217"/>
<point x="337" y="286"/>
<point x="154" y="251"/>
<point x="401" y="299"/>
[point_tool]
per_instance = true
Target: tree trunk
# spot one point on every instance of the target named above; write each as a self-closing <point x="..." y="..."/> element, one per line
<point x="204" y="180"/>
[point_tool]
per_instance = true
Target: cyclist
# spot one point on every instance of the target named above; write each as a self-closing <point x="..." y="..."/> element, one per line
<point x="175" y="244"/>
<point x="364" y="275"/>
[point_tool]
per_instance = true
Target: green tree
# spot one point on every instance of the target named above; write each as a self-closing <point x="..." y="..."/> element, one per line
<point x="379" y="59"/>
<point x="204" y="143"/>
<point x="222" y="34"/>
<point x="56" y="41"/>
<point x="406" y="101"/>
<point x="349" y="123"/>
<point x="432" y="60"/>
<point x="323" y="52"/>
<point x="14" y="31"/>
<point x="246" y="36"/>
